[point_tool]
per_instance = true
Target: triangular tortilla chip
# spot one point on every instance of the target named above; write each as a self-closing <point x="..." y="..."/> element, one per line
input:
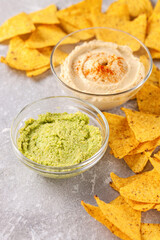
<point x="148" y="99"/>
<point x="23" y="58"/>
<point x="154" y="78"/>
<point x="136" y="162"/>
<point x="36" y="72"/>
<point x="138" y="7"/>
<point x="17" y="25"/>
<point x="150" y="231"/>
<point x="122" y="216"/>
<point x="145" y="146"/>
<point x="146" y="127"/>
<point x="96" y="213"/>
<point x="121" y="139"/>
<point x="137" y="28"/>
<point x="152" y="39"/>
<point x="144" y="189"/>
<point x="155" y="163"/>
<point x="45" y="16"/>
<point x="68" y="28"/>
<point x="48" y="35"/>
<point x="157" y="7"/>
<point x="119" y="182"/>
<point x="118" y="9"/>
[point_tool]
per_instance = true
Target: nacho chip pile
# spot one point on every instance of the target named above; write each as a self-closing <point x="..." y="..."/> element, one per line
<point x="45" y="27"/>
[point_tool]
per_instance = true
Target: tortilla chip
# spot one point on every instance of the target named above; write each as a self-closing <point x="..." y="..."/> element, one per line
<point x="45" y="16"/>
<point x="157" y="155"/>
<point x="75" y="9"/>
<point x="145" y="126"/>
<point x="136" y="162"/>
<point x="145" y="146"/>
<point x="154" y="53"/>
<point x="157" y="7"/>
<point x="148" y="99"/>
<point x="68" y="28"/>
<point x="150" y="231"/>
<point x="154" y="78"/>
<point x="48" y="35"/>
<point x="121" y="139"/>
<point x="137" y="28"/>
<point x="119" y="182"/>
<point x="152" y="39"/>
<point x="36" y="72"/>
<point x="139" y="206"/>
<point x="144" y="189"/>
<point x="155" y="163"/>
<point x="96" y="213"/>
<point x="118" y="9"/>
<point x="22" y="58"/>
<point x="121" y="215"/>
<point x="17" y="25"/>
<point x="138" y="7"/>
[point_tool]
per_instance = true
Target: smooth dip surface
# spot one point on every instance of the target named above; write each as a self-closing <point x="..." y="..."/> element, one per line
<point x="101" y="67"/>
<point x="59" y="139"/>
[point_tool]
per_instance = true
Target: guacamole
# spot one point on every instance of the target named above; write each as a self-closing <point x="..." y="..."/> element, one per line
<point x="59" y="139"/>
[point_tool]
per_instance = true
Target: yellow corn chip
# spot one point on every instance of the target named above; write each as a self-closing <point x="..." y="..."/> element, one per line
<point x="75" y="9"/>
<point x="150" y="231"/>
<point x="155" y="163"/>
<point x="45" y="16"/>
<point x="145" y="146"/>
<point x="154" y="53"/>
<point x="137" y="28"/>
<point x="121" y="215"/>
<point x="148" y="99"/>
<point x="154" y="78"/>
<point x="157" y="155"/>
<point x="17" y="25"/>
<point x="68" y="28"/>
<point x="36" y="72"/>
<point x="96" y="213"/>
<point x="121" y="139"/>
<point x="22" y="58"/>
<point x="152" y="39"/>
<point x="144" y="189"/>
<point x="138" y="7"/>
<point x="140" y="206"/>
<point x="118" y="9"/>
<point x="157" y="7"/>
<point x="59" y="57"/>
<point x="48" y="35"/>
<point x="146" y="127"/>
<point x="136" y="162"/>
<point x="119" y="182"/>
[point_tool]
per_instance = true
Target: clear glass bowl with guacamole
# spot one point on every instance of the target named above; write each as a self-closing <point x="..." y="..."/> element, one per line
<point x="60" y="137"/>
<point x="106" y="66"/>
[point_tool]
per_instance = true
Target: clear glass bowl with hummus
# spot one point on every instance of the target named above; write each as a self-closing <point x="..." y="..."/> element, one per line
<point x="106" y="67"/>
<point x="41" y="129"/>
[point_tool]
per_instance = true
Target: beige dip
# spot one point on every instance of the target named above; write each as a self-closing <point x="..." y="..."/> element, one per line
<point x="102" y="67"/>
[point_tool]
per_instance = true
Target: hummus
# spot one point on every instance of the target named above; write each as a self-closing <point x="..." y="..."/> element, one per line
<point x="59" y="139"/>
<point x="102" y="67"/>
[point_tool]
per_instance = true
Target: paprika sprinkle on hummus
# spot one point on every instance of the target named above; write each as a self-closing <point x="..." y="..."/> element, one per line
<point x="101" y="67"/>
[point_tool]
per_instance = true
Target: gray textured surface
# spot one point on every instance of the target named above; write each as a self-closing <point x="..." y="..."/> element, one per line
<point x="33" y="207"/>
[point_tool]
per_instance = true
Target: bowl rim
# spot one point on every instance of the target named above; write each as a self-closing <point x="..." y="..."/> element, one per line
<point x="108" y="94"/>
<point x="71" y="167"/>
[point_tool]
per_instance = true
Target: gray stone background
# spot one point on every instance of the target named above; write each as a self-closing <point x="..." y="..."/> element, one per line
<point x="33" y="207"/>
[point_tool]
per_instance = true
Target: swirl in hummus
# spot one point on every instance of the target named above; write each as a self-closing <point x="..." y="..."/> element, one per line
<point x="102" y="67"/>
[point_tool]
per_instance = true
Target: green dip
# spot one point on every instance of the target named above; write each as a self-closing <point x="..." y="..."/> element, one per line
<point x="59" y="139"/>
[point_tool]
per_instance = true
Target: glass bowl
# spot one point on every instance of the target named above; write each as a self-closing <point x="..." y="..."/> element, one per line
<point x="60" y="104"/>
<point x="110" y="100"/>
